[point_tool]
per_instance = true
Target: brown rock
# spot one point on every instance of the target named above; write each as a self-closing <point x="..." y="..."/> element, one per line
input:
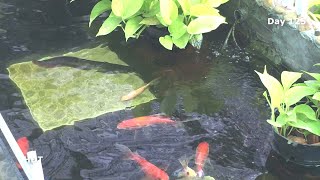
<point x="297" y="139"/>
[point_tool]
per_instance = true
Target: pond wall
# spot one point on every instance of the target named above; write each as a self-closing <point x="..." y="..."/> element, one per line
<point x="284" y="45"/>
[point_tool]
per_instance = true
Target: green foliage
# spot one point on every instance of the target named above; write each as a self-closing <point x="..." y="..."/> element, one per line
<point x="286" y="98"/>
<point x="185" y="20"/>
<point x="314" y="9"/>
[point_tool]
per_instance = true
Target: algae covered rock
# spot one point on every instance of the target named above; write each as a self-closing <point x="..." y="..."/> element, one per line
<point x="59" y="94"/>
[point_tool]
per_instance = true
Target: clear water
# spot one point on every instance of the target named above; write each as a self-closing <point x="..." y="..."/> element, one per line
<point x="219" y="88"/>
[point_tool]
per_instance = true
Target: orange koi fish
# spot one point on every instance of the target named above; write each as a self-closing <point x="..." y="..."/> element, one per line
<point x="144" y="121"/>
<point x="201" y="156"/>
<point x="23" y="143"/>
<point x="152" y="171"/>
<point x="137" y="92"/>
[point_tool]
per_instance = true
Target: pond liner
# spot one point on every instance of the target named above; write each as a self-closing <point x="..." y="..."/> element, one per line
<point x="305" y="155"/>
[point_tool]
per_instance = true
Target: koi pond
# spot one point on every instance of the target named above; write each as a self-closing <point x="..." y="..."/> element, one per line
<point x="213" y="95"/>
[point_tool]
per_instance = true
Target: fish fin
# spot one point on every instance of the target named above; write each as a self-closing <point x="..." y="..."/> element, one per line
<point x="190" y="120"/>
<point x="152" y="82"/>
<point x="184" y="161"/>
<point x="208" y="161"/>
<point x="200" y="173"/>
<point x="180" y="124"/>
<point x="125" y="150"/>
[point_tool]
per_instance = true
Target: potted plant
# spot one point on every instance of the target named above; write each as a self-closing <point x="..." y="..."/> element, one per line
<point x="184" y="20"/>
<point x="295" y="112"/>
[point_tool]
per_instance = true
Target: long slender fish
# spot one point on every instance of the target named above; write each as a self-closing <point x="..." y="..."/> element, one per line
<point x="137" y="92"/>
<point x="152" y="171"/>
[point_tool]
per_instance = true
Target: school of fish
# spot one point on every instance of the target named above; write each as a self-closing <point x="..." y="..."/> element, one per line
<point x="151" y="171"/>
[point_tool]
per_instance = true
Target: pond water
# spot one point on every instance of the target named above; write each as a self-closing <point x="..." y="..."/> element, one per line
<point x="218" y="88"/>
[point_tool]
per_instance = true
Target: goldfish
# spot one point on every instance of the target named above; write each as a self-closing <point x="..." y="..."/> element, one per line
<point x="137" y="92"/>
<point x="186" y="172"/>
<point x="144" y="121"/>
<point x="23" y="143"/>
<point x="152" y="171"/>
<point x="201" y="156"/>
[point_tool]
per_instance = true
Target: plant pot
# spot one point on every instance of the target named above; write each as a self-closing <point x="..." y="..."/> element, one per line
<point x="279" y="167"/>
<point x="306" y="155"/>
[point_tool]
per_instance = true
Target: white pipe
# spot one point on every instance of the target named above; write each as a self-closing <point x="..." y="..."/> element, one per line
<point x="28" y="168"/>
<point x="302" y="7"/>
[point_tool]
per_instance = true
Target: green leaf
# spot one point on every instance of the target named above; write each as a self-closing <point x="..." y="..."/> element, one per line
<point x="109" y="25"/>
<point x="288" y="78"/>
<point x="161" y="20"/>
<point x="166" y="42"/>
<point x="205" y="24"/>
<point x="194" y="2"/>
<point x="152" y="10"/>
<point x="182" y="41"/>
<point x="313" y="84"/>
<point x="313" y="3"/>
<point x="126" y="8"/>
<point x="177" y="28"/>
<point x="98" y="9"/>
<point x="168" y="10"/>
<point x="185" y="6"/>
<point x="306" y="124"/>
<point x="281" y="120"/>
<point x="274" y="88"/>
<point x="132" y="27"/>
<point x="295" y="94"/>
<point x="203" y="10"/>
<point x="274" y="123"/>
<point x="215" y="3"/>
<point x="63" y="95"/>
<point x="196" y="40"/>
<point x="291" y="116"/>
<point x="314" y="75"/>
<point x="150" y="21"/>
<point x="306" y="110"/>
<point x="317" y="64"/>
<point x="316" y="96"/>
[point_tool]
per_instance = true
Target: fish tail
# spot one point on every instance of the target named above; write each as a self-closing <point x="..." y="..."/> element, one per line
<point x="200" y="173"/>
<point x="189" y="120"/>
<point x="153" y="81"/>
<point x="125" y="150"/>
<point x="184" y="161"/>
